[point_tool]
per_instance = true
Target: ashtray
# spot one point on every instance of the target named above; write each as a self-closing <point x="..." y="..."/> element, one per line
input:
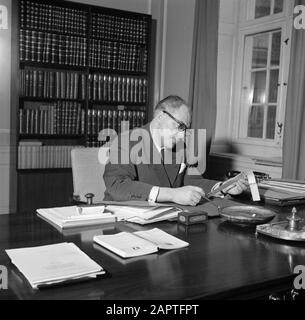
<point x="247" y="215"/>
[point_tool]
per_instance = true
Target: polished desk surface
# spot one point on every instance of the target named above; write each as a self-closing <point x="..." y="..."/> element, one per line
<point x="222" y="261"/>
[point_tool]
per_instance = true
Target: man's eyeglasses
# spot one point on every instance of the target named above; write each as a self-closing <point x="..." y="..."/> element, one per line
<point x="182" y="127"/>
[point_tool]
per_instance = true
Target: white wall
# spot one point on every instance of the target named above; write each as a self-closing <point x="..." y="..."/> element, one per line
<point x="177" y="52"/>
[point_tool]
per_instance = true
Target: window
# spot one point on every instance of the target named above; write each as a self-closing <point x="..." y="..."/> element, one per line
<point x="261" y="75"/>
<point x="261" y="82"/>
<point x="265" y="8"/>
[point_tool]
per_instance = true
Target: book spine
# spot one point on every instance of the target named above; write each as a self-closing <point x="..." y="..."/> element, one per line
<point x="83" y="87"/>
<point x="89" y="122"/>
<point x="99" y="121"/>
<point x="104" y="119"/>
<point x="82" y="121"/>
<point x="109" y="123"/>
<point x="95" y="83"/>
<point x="100" y="87"/>
<point x="57" y="85"/>
<point x="21" y="121"/>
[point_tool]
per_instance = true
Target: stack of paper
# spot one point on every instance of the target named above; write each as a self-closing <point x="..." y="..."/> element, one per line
<point x="51" y="264"/>
<point x="139" y="243"/>
<point x="144" y="215"/>
<point x="282" y="191"/>
<point x="74" y="216"/>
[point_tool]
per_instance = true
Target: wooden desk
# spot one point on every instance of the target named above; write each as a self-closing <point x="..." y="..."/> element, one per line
<point x="222" y="261"/>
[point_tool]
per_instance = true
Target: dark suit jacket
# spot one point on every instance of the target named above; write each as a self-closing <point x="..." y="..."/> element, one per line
<point x="135" y="181"/>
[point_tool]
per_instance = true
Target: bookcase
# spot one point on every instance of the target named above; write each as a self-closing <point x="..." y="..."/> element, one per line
<point x="82" y="68"/>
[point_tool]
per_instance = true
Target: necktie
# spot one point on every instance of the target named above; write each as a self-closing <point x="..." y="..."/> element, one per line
<point x="165" y="165"/>
<point x="162" y="156"/>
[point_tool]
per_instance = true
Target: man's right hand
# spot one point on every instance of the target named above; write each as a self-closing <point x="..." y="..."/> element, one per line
<point x="188" y="195"/>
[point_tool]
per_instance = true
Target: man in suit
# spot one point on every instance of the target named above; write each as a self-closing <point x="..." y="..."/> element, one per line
<point x="137" y="169"/>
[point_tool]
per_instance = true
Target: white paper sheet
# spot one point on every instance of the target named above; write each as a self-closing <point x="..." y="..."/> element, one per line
<point x="53" y="263"/>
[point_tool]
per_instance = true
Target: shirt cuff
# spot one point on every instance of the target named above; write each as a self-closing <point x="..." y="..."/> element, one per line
<point x="152" y="197"/>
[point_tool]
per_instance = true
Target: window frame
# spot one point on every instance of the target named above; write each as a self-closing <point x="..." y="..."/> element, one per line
<point x="239" y="121"/>
<point x="247" y="13"/>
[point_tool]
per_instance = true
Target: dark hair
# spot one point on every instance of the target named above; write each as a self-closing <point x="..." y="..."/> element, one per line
<point x="170" y="103"/>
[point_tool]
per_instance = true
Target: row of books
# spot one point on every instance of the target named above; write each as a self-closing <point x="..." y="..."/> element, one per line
<point x="119" y="28"/>
<point x="55" y="18"/>
<point x="117" y="88"/>
<point x="118" y="56"/>
<point x="93" y="142"/>
<point x="36" y="46"/>
<point x="47" y="17"/>
<point x="98" y="120"/>
<point x="62" y="117"/>
<point x="37" y="156"/>
<point x="52" y="84"/>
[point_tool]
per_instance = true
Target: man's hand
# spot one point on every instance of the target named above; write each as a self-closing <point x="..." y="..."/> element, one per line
<point x="236" y="188"/>
<point x="188" y="195"/>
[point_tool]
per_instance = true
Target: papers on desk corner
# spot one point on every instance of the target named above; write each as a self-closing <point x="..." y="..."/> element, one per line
<point x="53" y="264"/>
<point x="282" y="192"/>
<point x="145" y="214"/>
<point x="75" y="216"/>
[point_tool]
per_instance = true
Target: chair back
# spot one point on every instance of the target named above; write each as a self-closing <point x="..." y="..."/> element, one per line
<point x="87" y="172"/>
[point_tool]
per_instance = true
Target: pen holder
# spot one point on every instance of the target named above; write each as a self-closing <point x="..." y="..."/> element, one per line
<point x="89" y="197"/>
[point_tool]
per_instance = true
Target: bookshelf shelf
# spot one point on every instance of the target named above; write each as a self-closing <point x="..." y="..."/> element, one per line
<point x="117" y="72"/>
<point x="41" y="99"/>
<point x="62" y="33"/>
<point x="35" y="64"/>
<point x="24" y="64"/>
<point x="115" y="103"/>
<point x="43" y="170"/>
<point x="50" y="136"/>
<point x="117" y="40"/>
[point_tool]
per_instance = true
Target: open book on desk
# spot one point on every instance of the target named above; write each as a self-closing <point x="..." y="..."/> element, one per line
<point x="139" y="243"/>
<point x="75" y="216"/>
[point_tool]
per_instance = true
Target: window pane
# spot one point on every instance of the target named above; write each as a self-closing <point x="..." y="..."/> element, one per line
<point x="262" y="8"/>
<point x="276" y="49"/>
<point x="271" y="117"/>
<point x="278" y="6"/>
<point x="273" y="87"/>
<point x="258" y="86"/>
<point x="260" y="50"/>
<point x="256" y="122"/>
